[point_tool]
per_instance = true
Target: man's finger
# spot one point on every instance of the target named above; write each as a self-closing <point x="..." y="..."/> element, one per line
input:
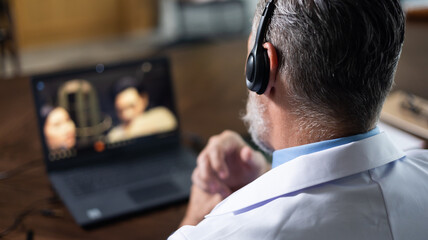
<point x="196" y="180"/>
<point x="204" y="167"/>
<point x="220" y="187"/>
<point x="246" y="154"/>
<point x="214" y="185"/>
<point x="206" y="172"/>
<point x="218" y="162"/>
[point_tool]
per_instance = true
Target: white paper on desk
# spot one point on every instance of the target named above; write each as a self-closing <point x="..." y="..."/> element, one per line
<point x="401" y="139"/>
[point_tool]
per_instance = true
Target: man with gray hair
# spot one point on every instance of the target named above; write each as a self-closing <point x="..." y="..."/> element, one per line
<point x="324" y="71"/>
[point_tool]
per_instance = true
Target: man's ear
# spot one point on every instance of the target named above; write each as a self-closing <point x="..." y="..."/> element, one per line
<point x="273" y="67"/>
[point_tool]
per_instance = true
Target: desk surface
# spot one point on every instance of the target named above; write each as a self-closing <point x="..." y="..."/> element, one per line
<point x="210" y="90"/>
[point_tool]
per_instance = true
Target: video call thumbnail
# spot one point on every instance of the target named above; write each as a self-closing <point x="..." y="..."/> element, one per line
<point x="95" y="110"/>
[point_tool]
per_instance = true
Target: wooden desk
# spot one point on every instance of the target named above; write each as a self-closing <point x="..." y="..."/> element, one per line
<point x="210" y="89"/>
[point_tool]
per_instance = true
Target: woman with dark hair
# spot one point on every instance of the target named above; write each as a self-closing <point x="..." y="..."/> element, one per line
<point x="59" y="129"/>
<point x="131" y="103"/>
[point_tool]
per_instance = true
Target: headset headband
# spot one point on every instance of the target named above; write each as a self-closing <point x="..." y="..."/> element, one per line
<point x="257" y="73"/>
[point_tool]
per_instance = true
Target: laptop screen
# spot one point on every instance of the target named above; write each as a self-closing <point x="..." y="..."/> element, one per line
<point x="104" y="108"/>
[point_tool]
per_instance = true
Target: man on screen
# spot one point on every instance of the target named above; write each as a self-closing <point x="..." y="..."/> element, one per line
<point x="330" y="65"/>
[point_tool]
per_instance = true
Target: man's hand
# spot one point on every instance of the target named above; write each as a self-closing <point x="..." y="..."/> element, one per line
<point x="200" y="204"/>
<point x="226" y="164"/>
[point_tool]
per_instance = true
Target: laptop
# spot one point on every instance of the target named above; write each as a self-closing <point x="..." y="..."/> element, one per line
<point x="111" y="139"/>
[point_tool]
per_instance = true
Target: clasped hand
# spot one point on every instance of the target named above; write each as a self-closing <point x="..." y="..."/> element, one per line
<point x="225" y="165"/>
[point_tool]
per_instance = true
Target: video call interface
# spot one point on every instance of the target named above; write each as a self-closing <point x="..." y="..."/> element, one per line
<point x="105" y="109"/>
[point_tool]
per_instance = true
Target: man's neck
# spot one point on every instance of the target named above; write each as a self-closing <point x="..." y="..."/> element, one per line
<point x="288" y="132"/>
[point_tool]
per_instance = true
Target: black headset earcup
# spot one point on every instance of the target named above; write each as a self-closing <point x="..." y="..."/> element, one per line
<point x="264" y="72"/>
<point x="250" y="71"/>
<point x="257" y="72"/>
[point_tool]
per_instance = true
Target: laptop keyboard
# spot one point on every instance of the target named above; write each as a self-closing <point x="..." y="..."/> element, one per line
<point x="94" y="179"/>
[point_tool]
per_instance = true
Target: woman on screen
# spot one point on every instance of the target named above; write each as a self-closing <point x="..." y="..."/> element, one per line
<point x="59" y="130"/>
<point x="131" y="102"/>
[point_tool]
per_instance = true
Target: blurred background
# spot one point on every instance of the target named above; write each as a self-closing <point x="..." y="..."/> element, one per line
<point x="48" y="35"/>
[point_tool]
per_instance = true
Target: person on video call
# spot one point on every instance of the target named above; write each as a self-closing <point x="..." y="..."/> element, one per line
<point x="59" y="129"/>
<point x="330" y="65"/>
<point x="131" y="103"/>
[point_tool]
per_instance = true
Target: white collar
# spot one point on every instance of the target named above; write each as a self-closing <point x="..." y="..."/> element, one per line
<point x="310" y="170"/>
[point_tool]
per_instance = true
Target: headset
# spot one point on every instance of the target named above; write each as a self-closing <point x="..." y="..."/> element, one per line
<point x="257" y="73"/>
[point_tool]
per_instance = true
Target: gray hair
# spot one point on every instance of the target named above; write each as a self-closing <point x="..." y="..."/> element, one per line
<point x="338" y="58"/>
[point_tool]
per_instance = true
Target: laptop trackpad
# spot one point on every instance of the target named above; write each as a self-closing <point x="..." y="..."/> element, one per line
<point x="151" y="192"/>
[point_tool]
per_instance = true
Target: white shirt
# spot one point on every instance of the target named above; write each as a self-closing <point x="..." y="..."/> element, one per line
<point x="155" y="120"/>
<point x="367" y="189"/>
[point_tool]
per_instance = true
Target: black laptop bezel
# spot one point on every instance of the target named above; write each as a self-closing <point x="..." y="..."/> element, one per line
<point x="140" y="146"/>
